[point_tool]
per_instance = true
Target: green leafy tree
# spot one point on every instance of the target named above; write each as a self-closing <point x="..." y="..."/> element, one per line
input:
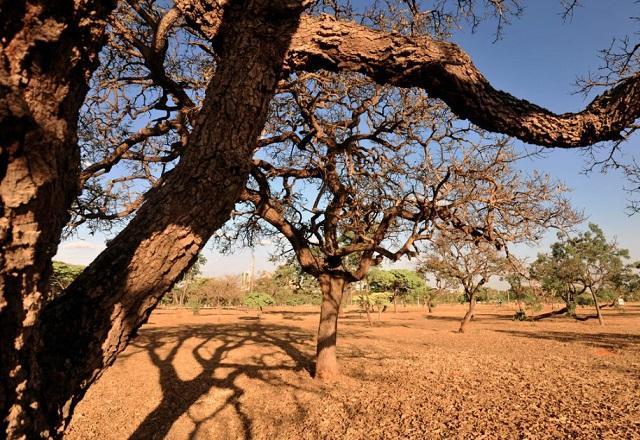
<point x="399" y="283"/>
<point x="63" y="275"/>
<point x="258" y="300"/>
<point x="584" y="263"/>
<point x="369" y="301"/>
<point x="188" y="283"/>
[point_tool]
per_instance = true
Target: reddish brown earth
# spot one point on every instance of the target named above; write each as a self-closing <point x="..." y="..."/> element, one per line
<point x="226" y="375"/>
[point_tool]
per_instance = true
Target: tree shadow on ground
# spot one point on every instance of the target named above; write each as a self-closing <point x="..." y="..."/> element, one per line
<point x="215" y="344"/>
<point x="611" y="341"/>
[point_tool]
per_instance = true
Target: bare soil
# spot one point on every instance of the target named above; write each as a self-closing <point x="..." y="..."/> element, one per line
<point x="224" y="374"/>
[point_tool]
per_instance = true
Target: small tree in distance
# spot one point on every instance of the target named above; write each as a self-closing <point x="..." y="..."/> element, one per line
<point x="586" y="262"/>
<point x="471" y="264"/>
<point x="443" y="284"/>
<point x="258" y="300"/>
<point x="397" y="283"/>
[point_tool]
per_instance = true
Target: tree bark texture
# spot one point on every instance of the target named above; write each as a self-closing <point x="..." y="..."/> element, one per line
<point x="48" y="51"/>
<point x="445" y="71"/>
<point x="469" y="314"/>
<point x="326" y="362"/>
<point x="80" y="333"/>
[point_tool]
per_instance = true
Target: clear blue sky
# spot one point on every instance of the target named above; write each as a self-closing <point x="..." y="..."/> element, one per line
<point x="539" y="59"/>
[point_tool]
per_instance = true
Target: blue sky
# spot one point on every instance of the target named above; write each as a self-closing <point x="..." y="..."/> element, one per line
<point x="539" y="59"/>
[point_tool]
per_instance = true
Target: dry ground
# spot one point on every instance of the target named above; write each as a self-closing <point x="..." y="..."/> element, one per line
<point x="226" y="375"/>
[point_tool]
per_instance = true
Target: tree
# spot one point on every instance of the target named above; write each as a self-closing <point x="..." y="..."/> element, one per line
<point x="222" y="291"/>
<point x="370" y="300"/>
<point x="471" y="264"/>
<point x="443" y="284"/>
<point x="258" y="300"/>
<point x="522" y="291"/>
<point x="63" y="275"/>
<point x="188" y="281"/>
<point x="376" y="171"/>
<point x="290" y="285"/>
<point x="48" y="52"/>
<point x="400" y="282"/>
<point x="77" y="335"/>
<point x="584" y="262"/>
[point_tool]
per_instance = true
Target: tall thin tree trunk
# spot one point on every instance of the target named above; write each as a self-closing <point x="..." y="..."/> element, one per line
<point x="174" y="295"/>
<point x="80" y="333"/>
<point x="469" y="314"/>
<point x="326" y="362"/>
<point x="48" y="51"/>
<point x="595" y="301"/>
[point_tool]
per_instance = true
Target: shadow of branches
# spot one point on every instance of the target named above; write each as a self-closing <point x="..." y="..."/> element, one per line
<point x="615" y="341"/>
<point x="213" y="352"/>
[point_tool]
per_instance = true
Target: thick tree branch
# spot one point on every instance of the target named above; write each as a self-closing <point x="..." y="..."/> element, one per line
<point x="445" y="71"/>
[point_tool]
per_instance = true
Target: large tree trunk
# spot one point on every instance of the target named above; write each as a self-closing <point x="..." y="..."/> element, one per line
<point x="48" y="51"/>
<point x="469" y="314"/>
<point x="81" y="332"/>
<point x="326" y="363"/>
<point x="595" y="302"/>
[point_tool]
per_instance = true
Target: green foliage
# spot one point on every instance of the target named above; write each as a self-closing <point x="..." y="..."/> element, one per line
<point x="372" y="300"/>
<point x="194" y="303"/>
<point x="258" y="300"/>
<point x="584" y="263"/>
<point x="195" y="270"/>
<point x="63" y="275"/>
<point x="404" y="283"/>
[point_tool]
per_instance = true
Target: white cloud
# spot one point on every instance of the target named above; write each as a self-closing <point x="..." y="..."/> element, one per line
<point x="82" y="245"/>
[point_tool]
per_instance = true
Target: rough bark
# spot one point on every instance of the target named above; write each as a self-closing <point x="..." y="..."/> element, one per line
<point x="48" y="51"/>
<point x="445" y="71"/>
<point x="326" y="362"/>
<point x="469" y="314"/>
<point x="80" y="333"/>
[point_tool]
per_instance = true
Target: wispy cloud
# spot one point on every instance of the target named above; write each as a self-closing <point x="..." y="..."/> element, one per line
<point x="82" y="245"/>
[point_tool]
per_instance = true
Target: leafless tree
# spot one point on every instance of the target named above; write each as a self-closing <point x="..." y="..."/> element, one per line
<point x="351" y="173"/>
<point x="471" y="264"/>
<point x="52" y="352"/>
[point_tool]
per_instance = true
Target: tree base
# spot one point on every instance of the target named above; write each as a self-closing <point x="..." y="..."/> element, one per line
<point x="327" y="376"/>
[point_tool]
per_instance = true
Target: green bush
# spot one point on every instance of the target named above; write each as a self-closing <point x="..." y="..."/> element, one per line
<point x="520" y="315"/>
<point x="584" y="300"/>
<point x="258" y="300"/>
<point x="194" y="304"/>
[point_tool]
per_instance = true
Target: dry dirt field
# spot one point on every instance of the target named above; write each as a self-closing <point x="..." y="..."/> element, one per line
<point x="226" y="375"/>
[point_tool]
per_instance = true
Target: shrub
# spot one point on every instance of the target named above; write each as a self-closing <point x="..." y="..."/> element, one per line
<point x="194" y="304"/>
<point x="258" y="300"/>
